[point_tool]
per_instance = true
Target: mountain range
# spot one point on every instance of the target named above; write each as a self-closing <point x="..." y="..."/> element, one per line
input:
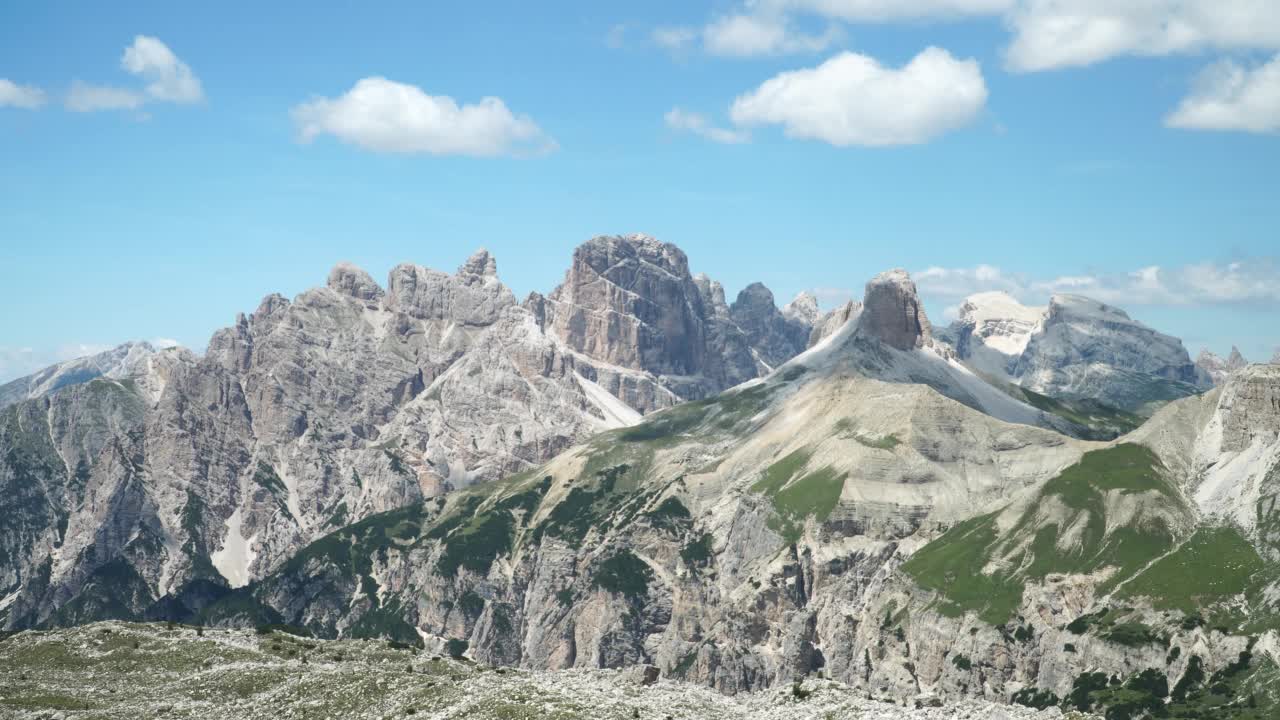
<point x="1033" y="505"/>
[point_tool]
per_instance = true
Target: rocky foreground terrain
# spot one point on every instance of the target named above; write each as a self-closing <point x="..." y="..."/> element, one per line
<point x="119" y="671"/>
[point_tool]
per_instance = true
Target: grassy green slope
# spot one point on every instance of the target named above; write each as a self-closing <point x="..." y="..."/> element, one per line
<point x="959" y="564"/>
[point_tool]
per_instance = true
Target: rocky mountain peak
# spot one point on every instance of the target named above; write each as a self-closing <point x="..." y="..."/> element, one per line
<point x="348" y="279"/>
<point x="712" y="294"/>
<point x="775" y="336"/>
<point x="892" y="313"/>
<point x="754" y="298"/>
<point x="630" y="301"/>
<point x="832" y="321"/>
<point x="471" y="297"/>
<point x="480" y="266"/>
<point x="803" y="308"/>
<point x="1080" y="306"/>
<point x="992" y="329"/>
<point x="1218" y="369"/>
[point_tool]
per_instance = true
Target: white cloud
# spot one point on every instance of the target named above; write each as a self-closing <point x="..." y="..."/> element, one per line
<point x="1228" y="96"/>
<point x="852" y="99"/>
<point x="745" y="35"/>
<point x="384" y="116"/>
<point x="170" y="81"/>
<point x="170" y="78"/>
<point x="859" y="11"/>
<point x="91" y="98"/>
<point x="163" y="343"/>
<point x="1253" y="282"/>
<point x="674" y="38"/>
<point x="698" y="124"/>
<point x="1052" y="34"/>
<point x="24" y="97"/>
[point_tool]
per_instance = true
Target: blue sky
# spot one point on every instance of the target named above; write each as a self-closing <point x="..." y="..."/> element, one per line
<point x="165" y="167"/>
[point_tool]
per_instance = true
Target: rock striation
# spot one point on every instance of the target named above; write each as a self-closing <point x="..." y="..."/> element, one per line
<point x="891" y="312"/>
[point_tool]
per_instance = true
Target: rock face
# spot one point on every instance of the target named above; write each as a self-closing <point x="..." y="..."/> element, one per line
<point x="1085" y="348"/>
<point x="832" y="321"/>
<point x="842" y="516"/>
<point x="1218" y="369"/>
<point x="630" y="303"/>
<point x="776" y="336"/>
<point x="992" y="331"/>
<point x="1076" y="349"/>
<point x="891" y="312"/>
<point x="175" y="472"/>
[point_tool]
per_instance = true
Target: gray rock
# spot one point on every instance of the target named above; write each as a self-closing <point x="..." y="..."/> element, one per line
<point x="313" y="413"/>
<point x="891" y="312"/>
<point x="775" y="336"/>
<point x="1084" y="348"/>
<point x="833" y="321"/>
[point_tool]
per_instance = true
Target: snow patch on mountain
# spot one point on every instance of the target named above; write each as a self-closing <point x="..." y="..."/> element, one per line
<point x="236" y="555"/>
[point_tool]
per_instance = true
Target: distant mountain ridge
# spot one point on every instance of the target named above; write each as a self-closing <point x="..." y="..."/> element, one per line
<point x="349" y="399"/>
<point x="871" y="511"/>
<point x="631" y="471"/>
<point x="1075" y="349"/>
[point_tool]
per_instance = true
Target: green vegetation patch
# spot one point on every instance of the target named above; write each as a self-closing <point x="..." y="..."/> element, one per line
<point x="1212" y="565"/>
<point x="1101" y="420"/>
<point x="351" y="550"/>
<point x="490" y="532"/>
<point x="697" y="554"/>
<point x="1243" y="690"/>
<point x="671" y="514"/>
<point x="816" y="493"/>
<point x="593" y="504"/>
<point x="952" y="565"/>
<point x="624" y="574"/>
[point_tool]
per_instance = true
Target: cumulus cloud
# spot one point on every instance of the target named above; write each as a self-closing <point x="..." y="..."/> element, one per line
<point x="24" y="97"/>
<point x="1228" y="96"/>
<point x="390" y="117"/>
<point x="746" y="35"/>
<point x="1052" y="34"/>
<point x="852" y="99"/>
<point x="674" y="38"/>
<point x="170" y="79"/>
<point x="698" y="124"/>
<point x="92" y="98"/>
<point x="1253" y="282"/>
